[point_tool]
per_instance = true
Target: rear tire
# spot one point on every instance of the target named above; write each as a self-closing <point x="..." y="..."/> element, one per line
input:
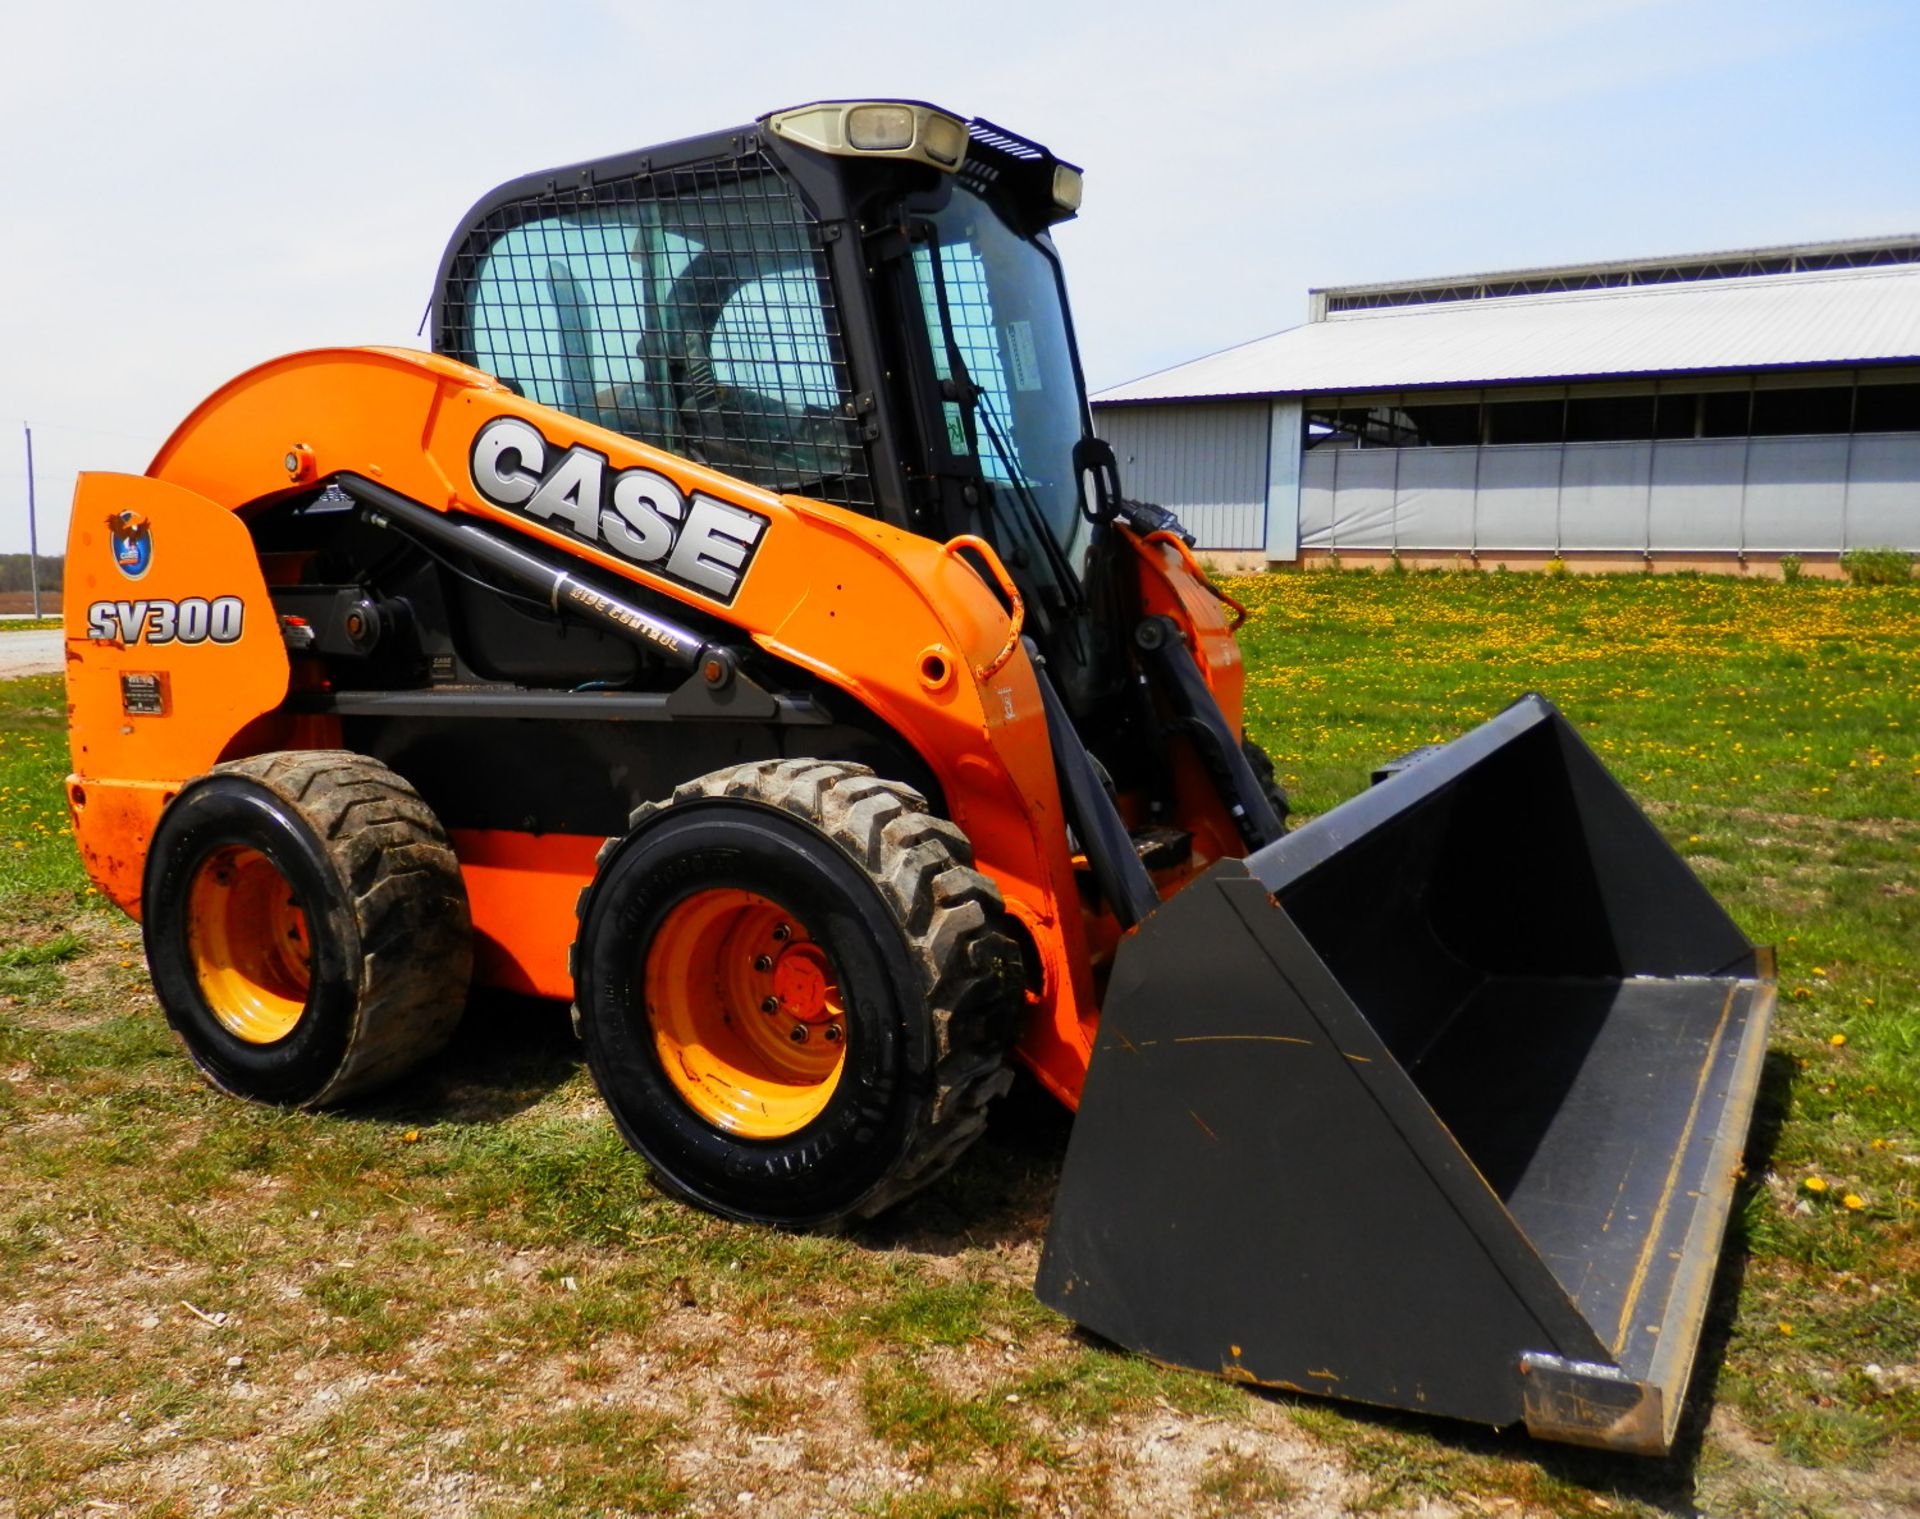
<point x="306" y="926"/>
<point x="806" y="901"/>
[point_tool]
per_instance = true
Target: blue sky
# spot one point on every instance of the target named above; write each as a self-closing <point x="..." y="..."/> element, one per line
<point x="191" y="188"/>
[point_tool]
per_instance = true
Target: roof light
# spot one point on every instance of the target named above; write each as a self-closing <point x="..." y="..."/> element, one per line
<point x="1067" y="188"/>
<point x="944" y="139"/>
<point x="881" y="128"/>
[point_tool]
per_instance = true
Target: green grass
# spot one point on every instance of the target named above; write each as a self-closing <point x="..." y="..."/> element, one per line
<point x="910" y="1411"/>
<point x="39" y="869"/>
<point x="1773" y="733"/>
<point x="468" y="1294"/>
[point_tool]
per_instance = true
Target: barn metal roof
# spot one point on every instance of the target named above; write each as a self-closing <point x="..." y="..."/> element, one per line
<point x="1667" y="268"/>
<point x="1773" y="321"/>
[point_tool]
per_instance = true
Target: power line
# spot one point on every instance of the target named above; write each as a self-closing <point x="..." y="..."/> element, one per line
<point x="93" y="432"/>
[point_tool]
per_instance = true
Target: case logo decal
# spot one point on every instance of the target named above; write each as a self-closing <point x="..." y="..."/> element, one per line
<point x="641" y="515"/>
<point x="194" y="620"/>
<point x="132" y="543"/>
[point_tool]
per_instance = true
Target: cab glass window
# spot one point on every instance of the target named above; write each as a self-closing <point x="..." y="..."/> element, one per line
<point x="700" y="321"/>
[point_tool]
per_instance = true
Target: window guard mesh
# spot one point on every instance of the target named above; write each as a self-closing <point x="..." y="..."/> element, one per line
<point x="689" y="308"/>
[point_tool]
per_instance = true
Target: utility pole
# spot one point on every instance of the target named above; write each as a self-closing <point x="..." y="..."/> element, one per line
<point x="33" y="530"/>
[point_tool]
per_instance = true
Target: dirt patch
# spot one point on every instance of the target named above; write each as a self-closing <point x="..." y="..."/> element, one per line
<point x="1792" y="824"/>
<point x="1165" y="1464"/>
<point x="1891" y="1489"/>
<point x="104" y="979"/>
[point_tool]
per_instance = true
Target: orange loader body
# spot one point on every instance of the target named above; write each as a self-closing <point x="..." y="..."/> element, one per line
<point x="864" y="606"/>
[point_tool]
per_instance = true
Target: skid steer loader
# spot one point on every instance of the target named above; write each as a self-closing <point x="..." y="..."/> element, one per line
<point x="734" y="627"/>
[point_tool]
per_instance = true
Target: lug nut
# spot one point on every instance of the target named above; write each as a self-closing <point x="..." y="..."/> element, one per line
<point x="799" y="1033"/>
<point x="783" y="932"/>
<point x="769" y="1004"/>
<point x="834" y="1033"/>
<point x="763" y="963"/>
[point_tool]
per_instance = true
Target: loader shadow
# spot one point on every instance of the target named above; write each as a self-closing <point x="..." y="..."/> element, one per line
<point x="1670" y="1483"/>
<point x="1001" y="1192"/>
<point x="508" y="1053"/>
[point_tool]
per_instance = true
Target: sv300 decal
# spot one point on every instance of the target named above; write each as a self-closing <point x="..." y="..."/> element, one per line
<point x="703" y="544"/>
<point x="193" y="620"/>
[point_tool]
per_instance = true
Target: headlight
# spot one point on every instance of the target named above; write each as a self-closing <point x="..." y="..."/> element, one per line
<point x="888" y="128"/>
<point x="944" y="139"/>
<point x="1067" y="188"/>
<point x="880" y="128"/>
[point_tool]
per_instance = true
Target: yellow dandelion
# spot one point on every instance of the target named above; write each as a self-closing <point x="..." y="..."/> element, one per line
<point x="1815" y="1184"/>
<point x="1785" y="1327"/>
<point x="1853" y="1202"/>
<point x="1818" y="970"/>
<point x="1837" y="1040"/>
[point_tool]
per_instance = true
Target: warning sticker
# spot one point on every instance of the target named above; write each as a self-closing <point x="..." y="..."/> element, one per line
<point x="143" y="694"/>
<point x="1022" y="357"/>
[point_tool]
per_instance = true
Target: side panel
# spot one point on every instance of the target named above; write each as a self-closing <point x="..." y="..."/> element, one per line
<point x="172" y="649"/>
<point x="523" y="889"/>
<point x="859" y="604"/>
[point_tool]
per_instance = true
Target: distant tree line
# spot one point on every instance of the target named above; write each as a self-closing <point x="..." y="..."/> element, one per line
<point x="15" y="576"/>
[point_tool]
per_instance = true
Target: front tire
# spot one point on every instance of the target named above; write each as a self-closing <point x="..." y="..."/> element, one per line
<point x="306" y="926"/>
<point x="1264" y="773"/>
<point x="796" y="992"/>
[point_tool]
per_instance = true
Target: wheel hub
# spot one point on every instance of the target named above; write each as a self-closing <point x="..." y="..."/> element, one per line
<point x="248" y="937"/>
<point x="801" y="983"/>
<point x="746" y="1013"/>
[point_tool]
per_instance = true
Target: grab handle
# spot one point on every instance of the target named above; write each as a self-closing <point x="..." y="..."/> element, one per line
<point x="1017" y="609"/>
<point x="1240" y="613"/>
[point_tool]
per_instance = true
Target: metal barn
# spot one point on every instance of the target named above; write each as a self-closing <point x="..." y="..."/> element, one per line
<point x="1704" y="411"/>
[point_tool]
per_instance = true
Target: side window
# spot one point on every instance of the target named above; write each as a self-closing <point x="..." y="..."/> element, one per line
<point x="700" y="321"/>
<point x="559" y="309"/>
<point x="970" y="305"/>
<point x="772" y="337"/>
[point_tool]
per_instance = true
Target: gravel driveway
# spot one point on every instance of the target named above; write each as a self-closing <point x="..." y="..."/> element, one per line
<point x="30" y="653"/>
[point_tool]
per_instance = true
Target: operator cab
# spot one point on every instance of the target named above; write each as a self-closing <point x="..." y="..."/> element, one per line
<point x="856" y="301"/>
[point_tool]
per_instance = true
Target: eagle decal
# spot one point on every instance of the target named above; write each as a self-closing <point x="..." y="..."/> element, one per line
<point x="132" y="543"/>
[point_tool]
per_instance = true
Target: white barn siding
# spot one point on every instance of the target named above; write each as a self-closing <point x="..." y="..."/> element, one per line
<point x="1604" y="493"/>
<point x="1283" y="479"/>
<point x="1883" y="491"/>
<point x="1208" y="464"/>
<point x="1811" y="494"/>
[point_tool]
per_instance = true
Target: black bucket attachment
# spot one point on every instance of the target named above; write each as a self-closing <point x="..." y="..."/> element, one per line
<point x="1437" y="1103"/>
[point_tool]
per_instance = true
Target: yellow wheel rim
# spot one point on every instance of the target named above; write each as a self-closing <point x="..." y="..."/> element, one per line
<point x="248" y="937"/>
<point x="746" y="1013"/>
